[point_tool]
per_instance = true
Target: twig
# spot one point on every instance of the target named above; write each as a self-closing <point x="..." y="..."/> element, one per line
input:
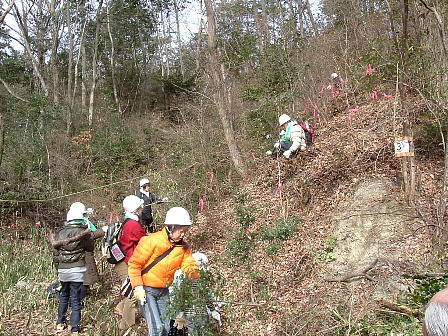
<point x="362" y="273"/>
<point x="401" y="309"/>
<point x="241" y="303"/>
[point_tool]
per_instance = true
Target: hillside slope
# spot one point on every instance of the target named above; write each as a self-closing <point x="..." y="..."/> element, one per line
<point x="285" y="292"/>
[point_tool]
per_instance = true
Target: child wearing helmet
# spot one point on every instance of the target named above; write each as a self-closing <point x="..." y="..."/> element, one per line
<point x="131" y="234"/>
<point x="148" y="199"/>
<point x="151" y="288"/>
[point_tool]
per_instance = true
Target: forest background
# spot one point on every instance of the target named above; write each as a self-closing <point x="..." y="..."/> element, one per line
<point x="96" y="95"/>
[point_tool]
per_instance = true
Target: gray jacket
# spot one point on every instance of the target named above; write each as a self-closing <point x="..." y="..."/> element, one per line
<point x="70" y="242"/>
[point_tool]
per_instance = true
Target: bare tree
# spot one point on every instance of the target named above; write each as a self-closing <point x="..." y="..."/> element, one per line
<point x="222" y="101"/>
<point x="7" y="10"/>
<point x="95" y="61"/>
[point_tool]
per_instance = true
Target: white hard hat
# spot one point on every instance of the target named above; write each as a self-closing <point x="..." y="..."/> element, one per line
<point x="78" y="206"/>
<point x="334" y="75"/>
<point x="177" y="216"/>
<point x="131" y="203"/>
<point x="74" y="214"/>
<point x="283" y="119"/>
<point x="143" y="182"/>
<point x="201" y="260"/>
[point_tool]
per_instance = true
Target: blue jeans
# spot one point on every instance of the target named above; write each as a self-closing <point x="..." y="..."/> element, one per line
<point x="156" y="300"/>
<point x="83" y="293"/>
<point x="70" y="292"/>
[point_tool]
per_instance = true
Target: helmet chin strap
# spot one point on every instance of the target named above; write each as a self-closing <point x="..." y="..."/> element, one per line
<point x="170" y="234"/>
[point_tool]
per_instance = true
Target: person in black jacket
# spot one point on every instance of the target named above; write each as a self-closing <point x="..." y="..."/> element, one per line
<point x="70" y="242"/>
<point x="149" y="199"/>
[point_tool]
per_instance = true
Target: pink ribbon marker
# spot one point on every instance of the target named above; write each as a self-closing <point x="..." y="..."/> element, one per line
<point x="201" y="205"/>
<point x="369" y="70"/>
<point x="163" y="167"/>
<point x="255" y="158"/>
<point x="307" y="106"/>
<point x="315" y="111"/>
<point x="387" y="96"/>
<point x="280" y="186"/>
<point x="323" y="89"/>
<point x="248" y="234"/>
<point x="111" y="217"/>
<point x="351" y="112"/>
<point x="212" y="176"/>
<point x="374" y="95"/>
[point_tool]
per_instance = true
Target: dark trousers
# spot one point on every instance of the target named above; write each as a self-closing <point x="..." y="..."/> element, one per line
<point x="70" y="292"/>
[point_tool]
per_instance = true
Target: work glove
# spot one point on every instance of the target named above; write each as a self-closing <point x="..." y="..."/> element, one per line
<point x="282" y="132"/>
<point x="90" y="211"/>
<point x="140" y="295"/>
<point x="268" y="153"/>
<point x="287" y="154"/>
<point x="217" y="316"/>
<point x="277" y="145"/>
<point x="165" y="199"/>
<point x="179" y="321"/>
<point x="105" y="228"/>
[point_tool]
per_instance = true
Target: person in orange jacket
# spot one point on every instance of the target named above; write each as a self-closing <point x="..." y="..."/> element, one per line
<point x="151" y="289"/>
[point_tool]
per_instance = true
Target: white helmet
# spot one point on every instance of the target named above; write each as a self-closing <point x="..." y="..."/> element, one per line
<point x="143" y="182"/>
<point x="177" y="216"/>
<point x="131" y="203"/>
<point x="201" y="260"/>
<point x="78" y="206"/>
<point x="74" y="214"/>
<point x="283" y="119"/>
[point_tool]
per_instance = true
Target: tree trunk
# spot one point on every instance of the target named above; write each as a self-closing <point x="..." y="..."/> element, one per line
<point x="112" y="63"/>
<point x="94" y="62"/>
<point x="179" y="40"/>
<point x="2" y="129"/>
<point x="54" y="51"/>
<point x="221" y="95"/>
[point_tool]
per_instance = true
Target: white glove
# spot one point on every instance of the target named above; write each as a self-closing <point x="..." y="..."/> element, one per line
<point x="165" y="199"/>
<point x="282" y="132"/>
<point x="105" y="228"/>
<point x="268" y="153"/>
<point x="277" y="145"/>
<point x="90" y="211"/>
<point x="287" y="154"/>
<point x="179" y="321"/>
<point x="140" y="294"/>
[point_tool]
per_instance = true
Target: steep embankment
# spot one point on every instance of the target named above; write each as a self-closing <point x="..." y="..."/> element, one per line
<point x="347" y="186"/>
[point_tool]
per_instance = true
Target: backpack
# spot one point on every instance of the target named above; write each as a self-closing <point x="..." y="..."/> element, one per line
<point x="309" y="132"/>
<point x="111" y="247"/>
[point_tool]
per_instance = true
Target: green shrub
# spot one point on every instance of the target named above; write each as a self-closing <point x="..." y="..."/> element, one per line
<point x="281" y="229"/>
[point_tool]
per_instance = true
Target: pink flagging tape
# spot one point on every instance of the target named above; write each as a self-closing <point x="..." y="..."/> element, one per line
<point x="212" y="176"/>
<point x="280" y="186"/>
<point x="255" y="158"/>
<point x="351" y="112"/>
<point x="248" y="234"/>
<point x="111" y="217"/>
<point x="201" y="205"/>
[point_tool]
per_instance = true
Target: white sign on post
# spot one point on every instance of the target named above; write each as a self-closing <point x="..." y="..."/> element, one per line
<point x="402" y="146"/>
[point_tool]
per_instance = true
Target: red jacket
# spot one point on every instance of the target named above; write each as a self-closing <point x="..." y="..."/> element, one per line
<point x="130" y="236"/>
<point x="162" y="274"/>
